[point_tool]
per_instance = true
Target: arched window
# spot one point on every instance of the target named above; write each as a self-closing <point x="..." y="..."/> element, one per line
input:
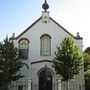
<point x="45" y="45"/>
<point x="23" y="48"/>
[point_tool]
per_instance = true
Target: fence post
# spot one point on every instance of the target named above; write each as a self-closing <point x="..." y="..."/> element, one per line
<point x="29" y="84"/>
<point x="59" y="84"/>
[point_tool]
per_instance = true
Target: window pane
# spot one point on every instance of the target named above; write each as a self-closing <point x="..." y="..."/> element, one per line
<point x="45" y="45"/>
<point x="23" y="53"/>
<point x="23" y="44"/>
<point x="23" y="49"/>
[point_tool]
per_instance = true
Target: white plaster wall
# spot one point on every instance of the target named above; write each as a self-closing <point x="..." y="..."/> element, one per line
<point x="34" y="34"/>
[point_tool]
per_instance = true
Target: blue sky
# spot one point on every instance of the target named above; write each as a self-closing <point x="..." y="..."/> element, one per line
<point x="17" y="15"/>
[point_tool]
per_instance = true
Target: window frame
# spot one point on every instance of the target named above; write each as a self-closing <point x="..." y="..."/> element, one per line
<point x="41" y="47"/>
<point x="25" y="49"/>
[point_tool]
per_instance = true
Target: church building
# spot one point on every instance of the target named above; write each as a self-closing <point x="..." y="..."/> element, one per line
<point x="37" y="45"/>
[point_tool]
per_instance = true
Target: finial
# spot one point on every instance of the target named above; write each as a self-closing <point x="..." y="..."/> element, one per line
<point x="78" y="35"/>
<point x="45" y="6"/>
<point x="13" y="35"/>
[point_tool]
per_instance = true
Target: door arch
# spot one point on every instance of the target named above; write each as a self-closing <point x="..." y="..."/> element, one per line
<point x="45" y="79"/>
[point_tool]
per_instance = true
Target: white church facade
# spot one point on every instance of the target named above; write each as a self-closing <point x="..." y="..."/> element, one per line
<point x="37" y="45"/>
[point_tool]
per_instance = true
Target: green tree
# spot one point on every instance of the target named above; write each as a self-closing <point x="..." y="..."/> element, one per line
<point x="87" y="50"/>
<point x="68" y="59"/>
<point x="86" y="57"/>
<point x="10" y="64"/>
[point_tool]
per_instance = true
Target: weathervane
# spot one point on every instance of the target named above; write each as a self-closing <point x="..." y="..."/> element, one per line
<point x="45" y="6"/>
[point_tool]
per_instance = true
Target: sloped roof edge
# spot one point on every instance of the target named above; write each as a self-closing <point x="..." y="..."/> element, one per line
<point x="65" y="29"/>
<point x="54" y="22"/>
<point x="28" y="28"/>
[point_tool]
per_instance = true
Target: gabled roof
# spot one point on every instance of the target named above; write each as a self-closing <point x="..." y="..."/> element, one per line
<point x="54" y="22"/>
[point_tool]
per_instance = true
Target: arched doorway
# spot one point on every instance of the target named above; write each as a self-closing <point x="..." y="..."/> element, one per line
<point x="45" y="79"/>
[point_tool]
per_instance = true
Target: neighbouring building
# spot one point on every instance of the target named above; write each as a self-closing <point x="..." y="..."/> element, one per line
<point x="37" y="45"/>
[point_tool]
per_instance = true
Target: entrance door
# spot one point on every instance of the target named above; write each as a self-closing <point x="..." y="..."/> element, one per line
<point x="45" y="80"/>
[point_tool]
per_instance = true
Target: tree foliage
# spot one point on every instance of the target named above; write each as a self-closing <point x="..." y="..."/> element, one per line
<point x="87" y="50"/>
<point x="9" y="63"/>
<point x="86" y="62"/>
<point x="86" y="56"/>
<point x="68" y="59"/>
